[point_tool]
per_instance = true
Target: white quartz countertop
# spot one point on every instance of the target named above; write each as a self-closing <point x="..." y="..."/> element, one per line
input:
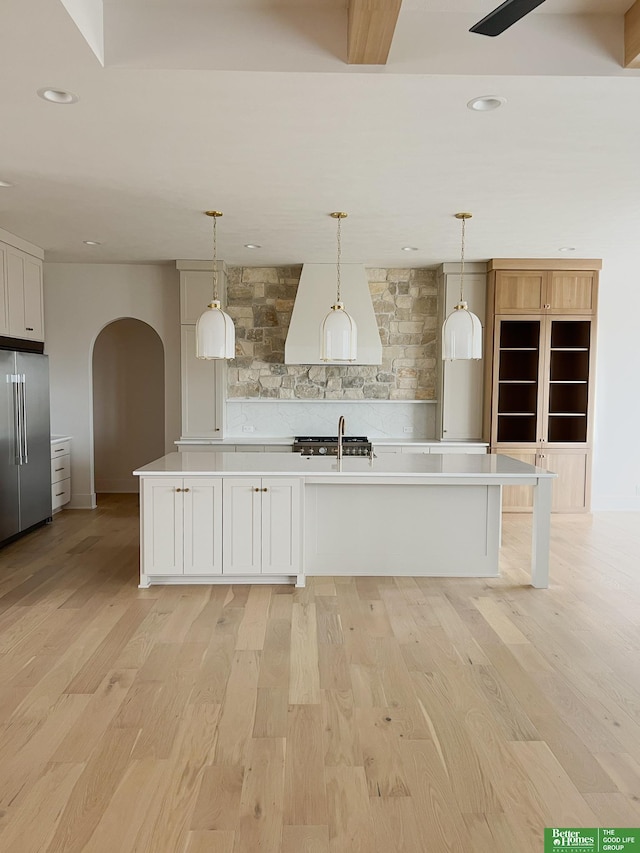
<point x="426" y="466"/>
<point x="284" y="440"/>
<point x="55" y="439"/>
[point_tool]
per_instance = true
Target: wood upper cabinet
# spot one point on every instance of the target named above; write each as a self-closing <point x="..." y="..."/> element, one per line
<point x="519" y="291"/>
<point x="544" y="291"/>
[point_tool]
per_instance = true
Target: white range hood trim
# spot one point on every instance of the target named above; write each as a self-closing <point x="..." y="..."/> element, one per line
<point x="316" y="294"/>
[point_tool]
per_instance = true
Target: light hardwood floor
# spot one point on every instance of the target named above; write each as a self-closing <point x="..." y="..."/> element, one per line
<point x="354" y="716"/>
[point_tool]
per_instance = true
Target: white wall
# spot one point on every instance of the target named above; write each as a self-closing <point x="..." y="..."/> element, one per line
<point x="616" y="473"/>
<point x="80" y="300"/>
<point x="128" y="403"/>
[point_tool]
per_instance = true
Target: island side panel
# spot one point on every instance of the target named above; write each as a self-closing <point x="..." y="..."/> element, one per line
<point x="413" y="530"/>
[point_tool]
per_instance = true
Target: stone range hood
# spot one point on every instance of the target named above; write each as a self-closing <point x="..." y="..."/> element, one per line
<point x="315" y="296"/>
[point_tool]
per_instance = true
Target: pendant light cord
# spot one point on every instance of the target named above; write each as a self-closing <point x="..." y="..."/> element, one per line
<point x="339" y="255"/>
<point x="464" y="222"/>
<point x="215" y="258"/>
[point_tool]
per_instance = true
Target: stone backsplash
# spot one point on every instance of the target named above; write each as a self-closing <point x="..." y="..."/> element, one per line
<point x="260" y="300"/>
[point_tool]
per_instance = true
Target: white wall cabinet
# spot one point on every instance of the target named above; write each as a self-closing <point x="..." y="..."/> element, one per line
<point x="182" y="526"/>
<point x="459" y="407"/>
<point x="262" y="520"/>
<point x="203" y="382"/>
<point x="21" y="299"/>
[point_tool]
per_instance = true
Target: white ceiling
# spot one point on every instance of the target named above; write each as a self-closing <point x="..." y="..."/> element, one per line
<point x="249" y="107"/>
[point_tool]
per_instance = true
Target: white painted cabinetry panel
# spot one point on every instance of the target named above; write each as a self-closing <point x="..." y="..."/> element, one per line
<point x="181" y="524"/>
<point x="203" y="383"/>
<point x="242" y="547"/>
<point x="262" y="526"/>
<point x="60" y="473"/>
<point x="202" y="526"/>
<point x="281" y="526"/>
<point x="24" y="302"/>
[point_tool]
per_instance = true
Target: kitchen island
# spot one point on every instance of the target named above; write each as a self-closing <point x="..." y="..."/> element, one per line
<point x="274" y="518"/>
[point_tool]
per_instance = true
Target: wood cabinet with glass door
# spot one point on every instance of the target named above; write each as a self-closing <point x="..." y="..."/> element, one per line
<point x="539" y="380"/>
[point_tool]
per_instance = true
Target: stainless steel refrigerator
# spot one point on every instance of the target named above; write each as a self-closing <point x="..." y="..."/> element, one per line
<point x="25" y="442"/>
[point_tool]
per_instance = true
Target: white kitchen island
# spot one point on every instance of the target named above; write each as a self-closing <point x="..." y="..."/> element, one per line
<point x="277" y="517"/>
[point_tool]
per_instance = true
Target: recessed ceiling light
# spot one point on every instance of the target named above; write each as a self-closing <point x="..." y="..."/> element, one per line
<point x="567" y="249"/>
<point x="409" y="249"/>
<point x="5" y="184"/>
<point x="57" y="96"/>
<point x="91" y="243"/>
<point x="486" y="102"/>
<point x="252" y="246"/>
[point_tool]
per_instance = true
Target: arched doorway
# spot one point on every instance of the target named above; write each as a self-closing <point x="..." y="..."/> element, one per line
<point x="128" y="403"/>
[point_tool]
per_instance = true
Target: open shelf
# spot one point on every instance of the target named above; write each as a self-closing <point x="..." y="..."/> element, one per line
<point x="567" y="429"/>
<point x="520" y="334"/>
<point x="518" y="429"/>
<point x="515" y="398"/>
<point x="570" y="334"/>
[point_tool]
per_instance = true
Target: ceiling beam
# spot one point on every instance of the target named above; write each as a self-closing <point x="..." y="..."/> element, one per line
<point x="371" y="27"/>
<point x="632" y="36"/>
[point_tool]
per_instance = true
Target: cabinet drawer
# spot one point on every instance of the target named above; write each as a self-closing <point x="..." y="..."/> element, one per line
<point x="60" y="448"/>
<point x="60" y="494"/>
<point x="60" y="469"/>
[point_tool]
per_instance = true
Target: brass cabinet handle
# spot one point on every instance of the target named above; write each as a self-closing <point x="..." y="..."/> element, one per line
<point x="58" y="469"/>
<point x="186" y="490"/>
<point x="28" y="328"/>
<point x="178" y="490"/>
<point x="59" y="494"/>
<point x="264" y="490"/>
<point x="256" y="489"/>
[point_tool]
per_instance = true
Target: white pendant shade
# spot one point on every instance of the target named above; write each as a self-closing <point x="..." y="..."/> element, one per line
<point x="215" y="333"/>
<point x="338" y="335"/>
<point x="461" y="335"/>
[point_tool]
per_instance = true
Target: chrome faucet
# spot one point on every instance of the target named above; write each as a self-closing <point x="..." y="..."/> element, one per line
<point x="340" y="436"/>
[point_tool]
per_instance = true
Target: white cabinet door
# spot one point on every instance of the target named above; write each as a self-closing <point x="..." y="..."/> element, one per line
<point x="4" y="295"/>
<point x="33" y="302"/>
<point x="162" y="526"/>
<point x="281" y="526"/>
<point x="241" y="528"/>
<point x="15" y="292"/>
<point x="203" y="384"/>
<point x="202" y="525"/>
<point x="24" y="295"/>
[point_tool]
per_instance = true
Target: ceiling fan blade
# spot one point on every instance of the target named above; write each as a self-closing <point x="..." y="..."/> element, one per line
<point x="504" y="16"/>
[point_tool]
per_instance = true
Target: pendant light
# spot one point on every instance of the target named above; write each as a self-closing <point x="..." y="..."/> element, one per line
<point x="338" y="332"/>
<point x="462" y="331"/>
<point x="215" y="332"/>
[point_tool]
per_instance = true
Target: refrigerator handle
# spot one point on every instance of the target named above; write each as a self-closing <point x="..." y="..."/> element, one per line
<point x="17" y="421"/>
<point x="23" y="418"/>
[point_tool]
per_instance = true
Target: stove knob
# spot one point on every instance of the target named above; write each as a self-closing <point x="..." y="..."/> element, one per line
<point x="322" y="450"/>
